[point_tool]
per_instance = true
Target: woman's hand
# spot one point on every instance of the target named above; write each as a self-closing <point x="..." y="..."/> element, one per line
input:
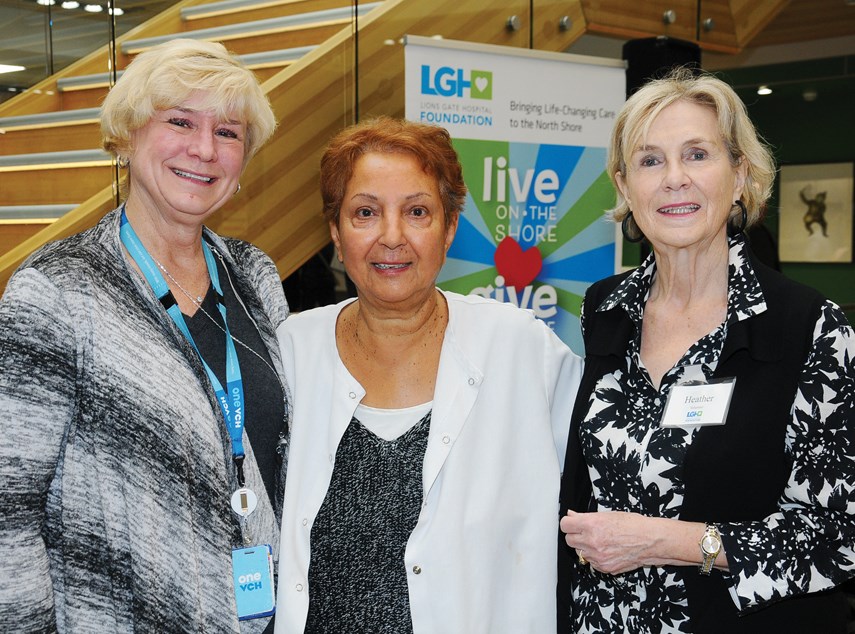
<point x="616" y="542"/>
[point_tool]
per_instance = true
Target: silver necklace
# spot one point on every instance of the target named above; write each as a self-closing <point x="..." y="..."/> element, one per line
<point x="197" y="301"/>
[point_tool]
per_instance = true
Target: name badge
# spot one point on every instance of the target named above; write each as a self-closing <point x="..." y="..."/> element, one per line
<point x="253" y="576"/>
<point x="698" y="403"/>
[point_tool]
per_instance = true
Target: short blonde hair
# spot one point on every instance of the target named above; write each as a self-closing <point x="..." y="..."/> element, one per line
<point x="738" y="133"/>
<point x="167" y="75"/>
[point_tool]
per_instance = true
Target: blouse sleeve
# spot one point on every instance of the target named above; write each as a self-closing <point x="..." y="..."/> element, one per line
<point x="809" y="544"/>
<point x="37" y="398"/>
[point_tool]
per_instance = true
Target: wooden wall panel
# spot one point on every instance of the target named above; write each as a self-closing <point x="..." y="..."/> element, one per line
<point x="632" y="19"/>
<point x="13" y="234"/>
<point x="734" y="22"/>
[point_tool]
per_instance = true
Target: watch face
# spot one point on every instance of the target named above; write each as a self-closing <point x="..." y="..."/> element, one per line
<point x="711" y="544"/>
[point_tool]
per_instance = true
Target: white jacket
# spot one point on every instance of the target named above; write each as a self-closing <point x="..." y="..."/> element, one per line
<point x="482" y="557"/>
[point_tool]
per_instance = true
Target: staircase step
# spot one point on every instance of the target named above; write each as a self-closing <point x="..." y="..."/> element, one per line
<point x="265" y="59"/>
<point x="85" y="82"/>
<point x="54" y="183"/>
<point x="49" y="119"/>
<point x="34" y="212"/>
<point x="50" y="178"/>
<point x="254" y="28"/>
<point x="46" y="160"/>
<point x="214" y="14"/>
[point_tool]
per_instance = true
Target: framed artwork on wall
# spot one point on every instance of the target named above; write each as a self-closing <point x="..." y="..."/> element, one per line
<point x="816" y="212"/>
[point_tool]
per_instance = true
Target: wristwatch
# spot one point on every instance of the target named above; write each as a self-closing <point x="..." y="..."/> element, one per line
<point x="710" y="548"/>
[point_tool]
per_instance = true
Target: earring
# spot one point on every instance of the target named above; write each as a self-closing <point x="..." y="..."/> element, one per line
<point x="732" y="229"/>
<point x="237" y="191"/>
<point x="625" y="229"/>
<point x="123" y="161"/>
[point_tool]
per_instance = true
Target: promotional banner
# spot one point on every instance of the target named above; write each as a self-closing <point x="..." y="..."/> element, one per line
<point x="531" y="129"/>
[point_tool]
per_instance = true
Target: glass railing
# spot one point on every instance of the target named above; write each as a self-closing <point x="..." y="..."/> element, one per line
<point x="42" y="37"/>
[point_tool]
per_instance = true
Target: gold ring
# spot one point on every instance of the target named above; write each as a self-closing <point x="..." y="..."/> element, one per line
<point x="582" y="560"/>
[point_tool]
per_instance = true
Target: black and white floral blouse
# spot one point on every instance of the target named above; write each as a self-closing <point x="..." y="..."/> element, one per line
<point x="638" y="468"/>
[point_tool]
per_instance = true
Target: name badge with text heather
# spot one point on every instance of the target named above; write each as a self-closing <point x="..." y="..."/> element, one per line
<point x="698" y="403"/>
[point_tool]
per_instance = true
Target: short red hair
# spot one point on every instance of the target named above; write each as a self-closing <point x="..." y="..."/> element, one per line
<point x="430" y="145"/>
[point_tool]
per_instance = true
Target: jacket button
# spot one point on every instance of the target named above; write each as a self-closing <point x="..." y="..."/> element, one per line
<point x="417" y="570"/>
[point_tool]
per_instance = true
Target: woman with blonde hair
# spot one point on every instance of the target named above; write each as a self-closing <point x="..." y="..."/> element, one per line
<point x="709" y="485"/>
<point x="141" y="382"/>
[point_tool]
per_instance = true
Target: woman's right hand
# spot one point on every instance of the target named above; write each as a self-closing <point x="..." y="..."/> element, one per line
<point x="615" y="542"/>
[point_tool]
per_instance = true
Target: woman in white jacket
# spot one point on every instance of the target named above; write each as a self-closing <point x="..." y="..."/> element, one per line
<point x="428" y="428"/>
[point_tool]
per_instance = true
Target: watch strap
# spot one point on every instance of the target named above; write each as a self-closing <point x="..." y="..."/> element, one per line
<point x="709" y="558"/>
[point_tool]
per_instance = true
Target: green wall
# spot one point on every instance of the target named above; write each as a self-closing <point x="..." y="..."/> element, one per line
<point x="800" y="131"/>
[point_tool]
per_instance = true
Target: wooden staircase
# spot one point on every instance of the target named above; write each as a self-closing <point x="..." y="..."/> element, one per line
<point x="55" y="181"/>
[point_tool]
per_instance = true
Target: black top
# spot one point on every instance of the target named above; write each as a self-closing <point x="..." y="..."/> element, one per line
<point x="264" y="402"/>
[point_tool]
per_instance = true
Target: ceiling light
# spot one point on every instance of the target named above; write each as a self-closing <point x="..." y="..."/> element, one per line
<point x="93" y="8"/>
<point x="8" y="68"/>
<point x="116" y="11"/>
<point x="70" y="5"/>
<point x="46" y="3"/>
<point x="764" y="90"/>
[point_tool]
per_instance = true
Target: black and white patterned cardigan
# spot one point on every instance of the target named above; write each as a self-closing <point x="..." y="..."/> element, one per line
<point x="115" y="466"/>
<point x="777" y="478"/>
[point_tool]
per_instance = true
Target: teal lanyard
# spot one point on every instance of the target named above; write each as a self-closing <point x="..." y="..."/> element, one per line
<point x="231" y="399"/>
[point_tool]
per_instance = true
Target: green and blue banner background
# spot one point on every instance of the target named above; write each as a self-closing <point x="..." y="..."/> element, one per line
<point x="531" y="130"/>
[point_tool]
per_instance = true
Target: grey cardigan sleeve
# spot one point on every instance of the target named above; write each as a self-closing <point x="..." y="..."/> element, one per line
<point x="37" y="399"/>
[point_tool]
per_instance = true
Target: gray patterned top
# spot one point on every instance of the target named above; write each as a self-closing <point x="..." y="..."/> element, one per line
<point x="115" y="463"/>
<point x="357" y="575"/>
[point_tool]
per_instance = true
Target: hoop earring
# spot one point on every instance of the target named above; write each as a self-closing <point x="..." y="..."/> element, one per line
<point x="732" y="229"/>
<point x="237" y="191"/>
<point x="625" y="228"/>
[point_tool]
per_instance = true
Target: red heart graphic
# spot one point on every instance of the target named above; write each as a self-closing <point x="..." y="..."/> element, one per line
<point x="518" y="267"/>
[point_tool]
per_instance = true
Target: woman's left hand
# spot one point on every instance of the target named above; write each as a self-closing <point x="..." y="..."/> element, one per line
<point x="616" y="542"/>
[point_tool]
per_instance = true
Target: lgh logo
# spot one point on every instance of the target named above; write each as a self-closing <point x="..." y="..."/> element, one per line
<point x="450" y="82"/>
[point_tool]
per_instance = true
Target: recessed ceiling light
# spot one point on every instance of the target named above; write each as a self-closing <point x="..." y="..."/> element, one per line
<point x="9" y="68"/>
<point x="93" y="8"/>
<point x="116" y="11"/>
<point x="764" y="90"/>
<point x="46" y="3"/>
<point x="70" y="5"/>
